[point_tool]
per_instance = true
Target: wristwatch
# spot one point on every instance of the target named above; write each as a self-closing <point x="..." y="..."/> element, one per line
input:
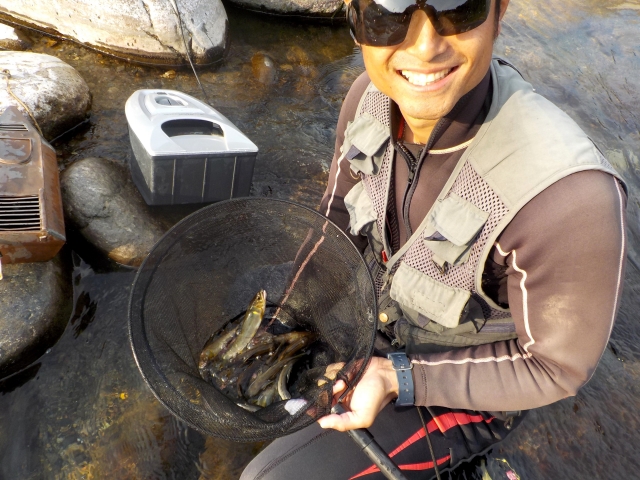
<point x="403" y="366"/>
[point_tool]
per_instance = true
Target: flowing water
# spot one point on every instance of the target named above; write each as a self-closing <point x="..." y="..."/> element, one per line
<point x="83" y="411"/>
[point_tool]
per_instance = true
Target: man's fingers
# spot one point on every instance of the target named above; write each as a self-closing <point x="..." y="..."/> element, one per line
<point x="332" y="370"/>
<point x="339" y="387"/>
<point x="341" y="423"/>
<point x="344" y="422"/>
<point x="330" y="373"/>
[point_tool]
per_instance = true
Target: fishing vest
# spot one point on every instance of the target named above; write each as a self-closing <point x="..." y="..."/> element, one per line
<point x="432" y="287"/>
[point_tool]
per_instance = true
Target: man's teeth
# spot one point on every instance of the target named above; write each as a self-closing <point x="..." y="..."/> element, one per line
<point x="422" y="79"/>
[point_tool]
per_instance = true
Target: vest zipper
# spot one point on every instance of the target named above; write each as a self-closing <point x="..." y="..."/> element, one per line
<point x="414" y="168"/>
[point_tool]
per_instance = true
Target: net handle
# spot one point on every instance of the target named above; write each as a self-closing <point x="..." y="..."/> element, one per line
<point x="372" y="449"/>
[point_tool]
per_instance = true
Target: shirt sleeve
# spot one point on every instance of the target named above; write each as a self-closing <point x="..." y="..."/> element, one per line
<point x="340" y="178"/>
<point x="564" y="255"/>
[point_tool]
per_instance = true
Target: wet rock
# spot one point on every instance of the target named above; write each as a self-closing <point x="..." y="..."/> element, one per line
<point x="101" y="201"/>
<point x="12" y="39"/>
<point x="54" y="91"/>
<point x="307" y="8"/>
<point x="141" y="31"/>
<point x="35" y="301"/>
<point x="264" y="68"/>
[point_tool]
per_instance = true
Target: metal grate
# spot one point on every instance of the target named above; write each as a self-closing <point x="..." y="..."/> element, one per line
<point x="20" y="213"/>
<point x="13" y="127"/>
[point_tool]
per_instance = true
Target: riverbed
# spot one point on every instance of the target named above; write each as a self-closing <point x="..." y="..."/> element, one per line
<point x="84" y="412"/>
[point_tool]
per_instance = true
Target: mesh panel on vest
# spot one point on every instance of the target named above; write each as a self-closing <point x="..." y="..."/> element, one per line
<point x="468" y="185"/>
<point x="377" y="104"/>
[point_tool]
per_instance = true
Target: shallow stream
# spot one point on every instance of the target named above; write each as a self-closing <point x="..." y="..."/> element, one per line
<point x="83" y="411"/>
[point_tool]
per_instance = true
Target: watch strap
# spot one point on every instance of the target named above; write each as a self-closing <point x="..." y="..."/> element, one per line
<point x="402" y="365"/>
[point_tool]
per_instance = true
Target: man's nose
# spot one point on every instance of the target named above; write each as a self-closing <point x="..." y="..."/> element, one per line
<point x="422" y="40"/>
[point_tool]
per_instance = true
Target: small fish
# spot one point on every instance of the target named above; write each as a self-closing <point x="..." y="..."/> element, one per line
<point x="247" y="407"/>
<point x="297" y="345"/>
<point x="283" y="378"/>
<point x="250" y="324"/>
<point x="267" y="396"/>
<point x="266" y="376"/>
<point x="260" y="349"/>
<point x="246" y="377"/>
<point x="292" y="336"/>
<point x="214" y="346"/>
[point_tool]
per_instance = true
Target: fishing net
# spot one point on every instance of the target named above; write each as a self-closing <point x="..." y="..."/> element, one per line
<point x="202" y="274"/>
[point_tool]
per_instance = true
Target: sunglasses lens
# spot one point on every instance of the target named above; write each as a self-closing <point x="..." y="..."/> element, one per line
<point x="451" y="17"/>
<point x="386" y="22"/>
<point x="373" y="24"/>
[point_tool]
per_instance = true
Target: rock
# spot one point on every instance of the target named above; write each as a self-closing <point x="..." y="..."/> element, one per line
<point x="55" y="93"/>
<point x="264" y="68"/>
<point x="11" y="39"/>
<point x="145" y="31"/>
<point x="306" y="8"/>
<point x="35" y="302"/>
<point x="101" y="201"/>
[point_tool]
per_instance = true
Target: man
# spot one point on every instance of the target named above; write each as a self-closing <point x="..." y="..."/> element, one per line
<point x="495" y="233"/>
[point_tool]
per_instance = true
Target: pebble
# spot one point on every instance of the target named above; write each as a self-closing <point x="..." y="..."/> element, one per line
<point x="264" y="68"/>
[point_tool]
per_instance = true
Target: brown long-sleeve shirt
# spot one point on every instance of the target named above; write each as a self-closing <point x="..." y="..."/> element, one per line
<point x="558" y="266"/>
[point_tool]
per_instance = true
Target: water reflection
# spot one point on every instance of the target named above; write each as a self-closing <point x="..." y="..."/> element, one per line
<point x="83" y="411"/>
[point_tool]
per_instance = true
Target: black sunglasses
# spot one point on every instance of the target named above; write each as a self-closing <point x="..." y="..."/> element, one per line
<point x="382" y="23"/>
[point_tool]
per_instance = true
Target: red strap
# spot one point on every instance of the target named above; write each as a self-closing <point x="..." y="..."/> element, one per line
<point x="401" y="128"/>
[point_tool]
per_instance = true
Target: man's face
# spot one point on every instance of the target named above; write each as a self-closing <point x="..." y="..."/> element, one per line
<point x="427" y="74"/>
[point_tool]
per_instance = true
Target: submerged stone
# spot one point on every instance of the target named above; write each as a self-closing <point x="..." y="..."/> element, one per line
<point x="54" y="92"/>
<point x="306" y="8"/>
<point x="264" y="68"/>
<point x="12" y="39"/>
<point x="140" y="31"/>
<point x="35" y="301"/>
<point x="102" y="203"/>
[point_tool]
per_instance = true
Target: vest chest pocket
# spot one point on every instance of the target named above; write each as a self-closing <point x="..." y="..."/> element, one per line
<point x="364" y="144"/>
<point x="362" y="216"/>
<point x="454" y="225"/>
<point x="435" y="300"/>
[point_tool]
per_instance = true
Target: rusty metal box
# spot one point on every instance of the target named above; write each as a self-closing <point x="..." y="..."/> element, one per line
<point x="31" y="216"/>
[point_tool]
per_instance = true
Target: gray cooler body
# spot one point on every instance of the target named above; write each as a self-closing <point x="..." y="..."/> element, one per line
<point x="184" y="151"/>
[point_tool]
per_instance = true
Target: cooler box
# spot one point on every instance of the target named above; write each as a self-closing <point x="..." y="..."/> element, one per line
<point x="184" y="151"/>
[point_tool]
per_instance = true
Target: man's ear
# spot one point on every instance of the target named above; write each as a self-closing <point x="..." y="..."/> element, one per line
<point x="503" y="9"/>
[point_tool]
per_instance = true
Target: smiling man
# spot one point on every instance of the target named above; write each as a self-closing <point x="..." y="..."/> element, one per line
<point x="494" y="229"/>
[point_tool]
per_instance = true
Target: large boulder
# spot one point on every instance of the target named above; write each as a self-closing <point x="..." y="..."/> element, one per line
<point x="144" y="31"/>
<point x="35" y="302"/>
<point x="11" y="39"/>
<point x="304" y="8"/>
<point x="102" y="203"/>
<point x="54" y="92"/>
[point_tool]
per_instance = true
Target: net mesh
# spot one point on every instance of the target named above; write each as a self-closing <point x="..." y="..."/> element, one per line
<point x="203" y="273"/>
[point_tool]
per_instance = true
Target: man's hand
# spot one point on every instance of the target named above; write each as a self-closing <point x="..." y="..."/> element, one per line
<point x="377" y="387"/>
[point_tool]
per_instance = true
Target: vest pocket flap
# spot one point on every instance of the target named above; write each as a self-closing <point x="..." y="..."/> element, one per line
<point x="360" y="208"/>
<point x="450" y="252"/>
<point x="364" y="140"/>
<point x="435" y="300"/>
<point x="457" y="219"/>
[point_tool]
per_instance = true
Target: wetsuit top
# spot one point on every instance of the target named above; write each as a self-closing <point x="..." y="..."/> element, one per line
<point x="558" y="266"/>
